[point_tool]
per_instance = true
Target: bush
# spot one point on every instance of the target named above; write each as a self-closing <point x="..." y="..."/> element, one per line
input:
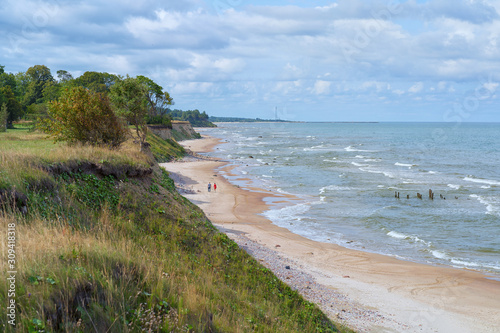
<point x="82" y="116"/>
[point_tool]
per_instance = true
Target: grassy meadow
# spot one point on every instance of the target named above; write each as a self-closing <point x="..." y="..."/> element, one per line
<point x="104" y="243"/>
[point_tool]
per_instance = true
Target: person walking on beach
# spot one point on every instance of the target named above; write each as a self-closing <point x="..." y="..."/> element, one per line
<point x="215" y="187"/>
<point x="209" y="187"/>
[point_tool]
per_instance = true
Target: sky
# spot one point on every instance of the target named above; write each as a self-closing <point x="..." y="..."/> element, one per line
<point x="344" y="60"/>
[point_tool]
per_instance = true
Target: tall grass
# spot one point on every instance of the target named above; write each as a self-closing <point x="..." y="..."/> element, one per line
<point x="98" y="254"/>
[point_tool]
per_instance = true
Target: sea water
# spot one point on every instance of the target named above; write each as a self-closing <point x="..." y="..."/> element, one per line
<point x="347" y="176"/>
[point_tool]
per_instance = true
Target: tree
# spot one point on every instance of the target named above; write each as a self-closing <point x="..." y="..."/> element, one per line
<point x="39" y="77"/>
<point x="84" y="116"/>
<point x="129" y="99"/>
<point x="3" y="118"/>
<point x="157" y="98"/>
<point x="13" y="107"/>
<point x="96" y="81"/>
<point x="64" y="76"/>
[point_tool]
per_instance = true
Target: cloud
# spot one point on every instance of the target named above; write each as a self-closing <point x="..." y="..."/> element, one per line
<point x="416" y="88"/>
<point x="246" y="56"/>
<point x="321" y="87"/>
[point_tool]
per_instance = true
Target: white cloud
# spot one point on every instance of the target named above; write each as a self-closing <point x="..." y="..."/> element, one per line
<point x="416" y="88"/>
<point x="321" y="87"/>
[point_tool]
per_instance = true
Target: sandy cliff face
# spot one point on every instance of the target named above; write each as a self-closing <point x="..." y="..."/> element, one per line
<point x="181" y="130"/>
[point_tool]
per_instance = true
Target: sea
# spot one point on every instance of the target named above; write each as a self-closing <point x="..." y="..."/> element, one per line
<point x="357" y="185"/>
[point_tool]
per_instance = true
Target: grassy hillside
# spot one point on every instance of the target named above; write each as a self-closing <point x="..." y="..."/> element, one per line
<point x="104" y="243"/>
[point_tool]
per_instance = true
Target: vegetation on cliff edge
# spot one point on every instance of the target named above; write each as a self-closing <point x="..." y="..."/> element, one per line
<point x="104" y="243"/>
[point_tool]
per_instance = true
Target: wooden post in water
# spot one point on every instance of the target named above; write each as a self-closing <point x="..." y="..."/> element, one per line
<point x="419" y="196"/>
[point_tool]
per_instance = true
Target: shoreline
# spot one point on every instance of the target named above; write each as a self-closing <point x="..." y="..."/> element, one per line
<point x="367" y="292"/>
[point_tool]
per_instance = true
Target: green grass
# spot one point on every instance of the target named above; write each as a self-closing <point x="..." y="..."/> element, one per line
<point x="97" y="253"/>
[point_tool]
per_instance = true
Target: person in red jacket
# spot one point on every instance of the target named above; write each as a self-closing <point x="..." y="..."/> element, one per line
<point x="215" y="187"/>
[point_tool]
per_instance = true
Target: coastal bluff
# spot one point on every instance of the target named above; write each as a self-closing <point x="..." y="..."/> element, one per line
<point x="181" y="130"/>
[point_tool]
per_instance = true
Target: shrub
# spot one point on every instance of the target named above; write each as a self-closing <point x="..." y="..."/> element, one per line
<point x="83" y="116"/>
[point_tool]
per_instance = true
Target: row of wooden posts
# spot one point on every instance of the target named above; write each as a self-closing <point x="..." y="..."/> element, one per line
<point x="431" y="195"/>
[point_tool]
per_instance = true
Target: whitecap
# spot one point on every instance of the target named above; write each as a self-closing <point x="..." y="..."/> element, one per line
<point x="481" y="181"/>
<point x="405" y="165"/>
<point x="492" y="205"/>
<point x="453" y="186"/>
<point x="385" y="173"/>
<point x="334" y="188"/>
<point x="287" y="214"/>
<point x="439" y="254"/>
<point x="397" y="235"/>
<point x="464" y="263"/>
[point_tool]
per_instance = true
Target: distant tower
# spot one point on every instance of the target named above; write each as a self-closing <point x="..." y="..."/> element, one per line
<point x="275" y="113"/>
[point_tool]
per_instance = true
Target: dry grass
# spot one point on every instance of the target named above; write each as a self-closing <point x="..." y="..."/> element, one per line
<point x="153" y="263"/>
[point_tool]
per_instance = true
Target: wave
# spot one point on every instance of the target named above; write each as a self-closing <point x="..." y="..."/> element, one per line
<point x="492" y="204"/>
<point x="405" y="165"/>
<point x="352" y="148"/>
<point x="453" y="186"/>
<point x="481" y="181"/>
<point x="287" y="214"/>
<point x="398" y="235"/>
<point x="334" y="188"/>
<point x="359" y="164"/>
<point x="385" y="173"/>
<point x="440" y="254"/>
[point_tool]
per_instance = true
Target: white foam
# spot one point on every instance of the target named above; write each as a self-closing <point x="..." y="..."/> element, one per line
<point x="397" y="235"/>
<point x="287" y="214"/>
<point x="352" y="148"/>
<point x="359" y="164"/>
<point x="334" y="188"/>
<point x="464" y="263"/>
<point x="404" y="164"/>
<point x="385" y="173"/>
<point x="453" y="186"/>
<point x="439" y="254"/>
<point x="492" y="205"/>
<point x="481" y="181"/>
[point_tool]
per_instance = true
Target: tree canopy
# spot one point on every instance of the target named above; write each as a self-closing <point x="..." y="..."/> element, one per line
<point x="81" y="115"/>
<point x="129" y="97"/>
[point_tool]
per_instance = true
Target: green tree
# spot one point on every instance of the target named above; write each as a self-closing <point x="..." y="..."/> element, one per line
<point x="39" y="77"/>
<point x="84" y="116"/>
<point x="14" y="109"/>
<point x="8" y="79"/>
<point x="22" y="82"/>
<point x="96" y="81"/>
<point x="3" y="118"/>
<point x="129" y="99"/>
<point x="51" y="92"/>
<point x="64" y="76"/>
<point x="158" y="99"/>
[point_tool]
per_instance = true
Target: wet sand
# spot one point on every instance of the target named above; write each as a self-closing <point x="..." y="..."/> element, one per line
<point x="365" y="291"/>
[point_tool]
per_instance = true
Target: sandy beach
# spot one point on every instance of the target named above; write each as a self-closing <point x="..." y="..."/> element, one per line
<point x="365" y="291"/>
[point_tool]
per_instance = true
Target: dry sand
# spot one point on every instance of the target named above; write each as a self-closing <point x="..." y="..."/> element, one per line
<point x="365" y="291"/>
